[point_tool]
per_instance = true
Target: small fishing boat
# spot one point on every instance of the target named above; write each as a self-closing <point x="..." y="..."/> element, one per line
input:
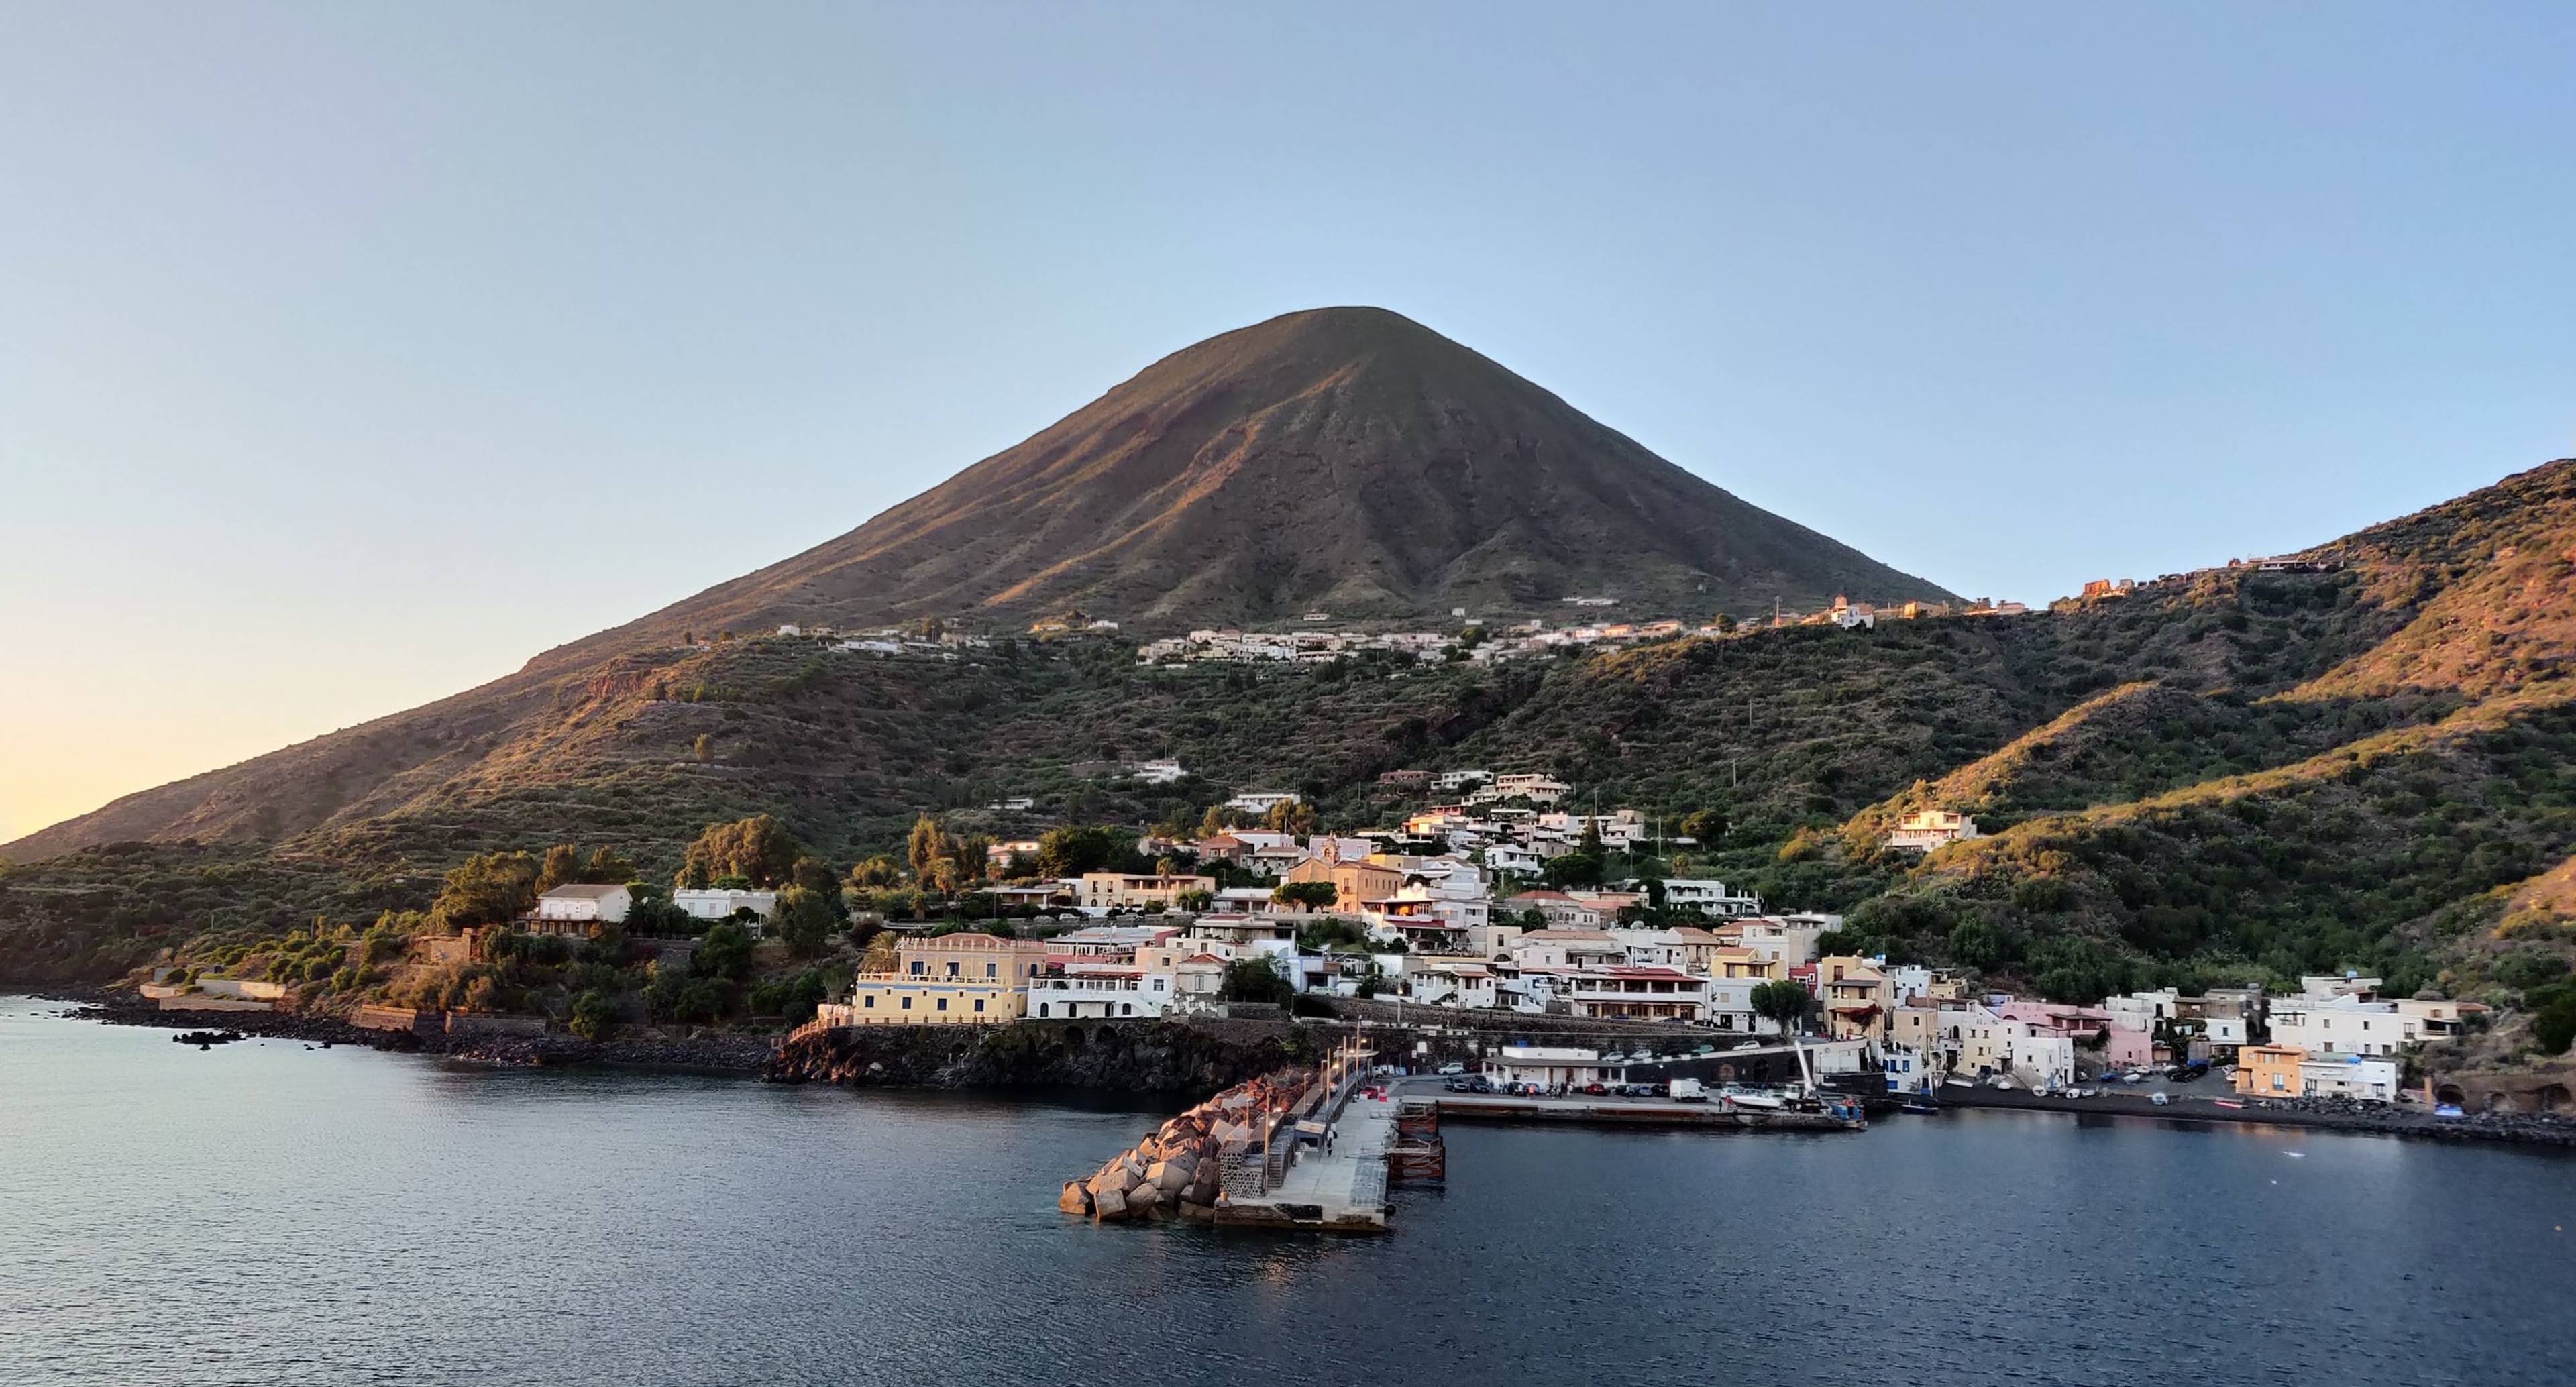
<point x="1924" y="1108"/>
<point x="2227" y="1102"/>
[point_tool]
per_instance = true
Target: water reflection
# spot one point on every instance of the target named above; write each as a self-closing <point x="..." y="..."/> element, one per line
<point x="262" y="1213"/>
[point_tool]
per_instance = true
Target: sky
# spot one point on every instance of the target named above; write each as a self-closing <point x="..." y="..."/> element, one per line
<point x="351" y="355"/>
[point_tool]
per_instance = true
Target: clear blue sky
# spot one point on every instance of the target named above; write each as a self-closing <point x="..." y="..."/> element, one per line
<point x="349" y="354"/>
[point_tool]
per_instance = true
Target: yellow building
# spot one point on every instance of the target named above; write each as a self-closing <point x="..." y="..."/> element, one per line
<point x="971" y="955"/>
<point x="1130" y="891"/>
<point x="1741" y="963"/>
<point x="1352" y="882"/>
<point x="892" y="999"/>
<point x="964" y="979"/>
<point x="1855" y="997"/>
<point x="2269" y="1071"/>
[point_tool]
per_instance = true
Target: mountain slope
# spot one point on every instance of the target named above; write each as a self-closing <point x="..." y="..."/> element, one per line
<point x="1347" y="459"/>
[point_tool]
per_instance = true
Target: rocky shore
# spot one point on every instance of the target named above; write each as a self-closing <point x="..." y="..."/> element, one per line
<point x="739" y="1053"/>
<point x="2337" y="1114"/>
<point x="1159" y="1057"/>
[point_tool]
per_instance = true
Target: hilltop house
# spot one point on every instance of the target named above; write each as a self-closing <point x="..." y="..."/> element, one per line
<point x="1926" y="829"/>
<point x="573" y="909"/>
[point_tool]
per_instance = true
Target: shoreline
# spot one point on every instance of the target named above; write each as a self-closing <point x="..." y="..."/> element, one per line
<point x="732" y="1054"/>
<point x="2514" y="1128"/>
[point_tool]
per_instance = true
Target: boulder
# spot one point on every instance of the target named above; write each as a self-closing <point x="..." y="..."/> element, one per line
<point x="1171" y="1177"/>
<point x="1198" y="1212"/>
<point x="1108" y="1205"/>
<point x="1141" y="1201"/>
<point x="1204" y="1188"/>
<point x="1075" y="1199"/>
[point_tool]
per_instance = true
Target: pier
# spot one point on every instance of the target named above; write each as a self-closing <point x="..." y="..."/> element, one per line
<point x="1716" y="1115"/>
<point x="1307" y="1149"/>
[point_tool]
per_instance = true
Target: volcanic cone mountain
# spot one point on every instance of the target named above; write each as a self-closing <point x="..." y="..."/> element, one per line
<point x="1344" y="459"/>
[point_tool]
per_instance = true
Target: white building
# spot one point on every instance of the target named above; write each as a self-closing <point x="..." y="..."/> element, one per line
<point x="2037" y="1058"/>
<point x="1926" y="829"/>
<point x="1099" y="991"/>
<point x="1552" y="1066"/>
<point x="1259" y="801"/>
<point x="585" y="904"/>
<point x="1450" y="983"/>
<point x="2343" y="1026"/>
<point x="1537" y="789"/>
<point x="1513" y="858"/>
<point x="709" y="904"/>
<point x="1709" y="896"/>
<point x="2350" y="1077"/>
<point x="1451" y="781"/>
<point x="1156" y="772"/>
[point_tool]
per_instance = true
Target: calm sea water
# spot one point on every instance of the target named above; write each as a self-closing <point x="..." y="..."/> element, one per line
<point x="263" y="1213"/>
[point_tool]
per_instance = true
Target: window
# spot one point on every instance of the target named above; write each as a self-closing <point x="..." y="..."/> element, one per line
<point x="907" y="1004"/>
<point x="992" y="970"/>
<point x="979" y="1004"/>
<point x="1042" y="1011"/>
<point x="919" y="967"/>
<point x="952" y="967"/>
<point x="869" y="1001"/>
<point x="1126" y="1008"/>
<point x="943" y="1004"/>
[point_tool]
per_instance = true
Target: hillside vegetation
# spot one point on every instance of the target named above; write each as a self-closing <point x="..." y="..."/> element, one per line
<point x="2233" y="774"/>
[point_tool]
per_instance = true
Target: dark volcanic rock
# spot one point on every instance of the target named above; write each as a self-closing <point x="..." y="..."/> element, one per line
<point x="1128" y="1056"/>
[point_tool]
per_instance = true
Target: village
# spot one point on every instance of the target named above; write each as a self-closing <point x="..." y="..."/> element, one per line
<point x="1454" y="925"/>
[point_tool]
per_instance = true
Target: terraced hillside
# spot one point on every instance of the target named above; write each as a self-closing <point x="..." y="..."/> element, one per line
<point x="2237" y="773"/>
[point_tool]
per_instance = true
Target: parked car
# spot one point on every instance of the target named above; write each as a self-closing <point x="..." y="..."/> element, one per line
<point x="1688" y="1091"/>
<point x="1453" y="1067"/>
<point x="1750" y="1045"/>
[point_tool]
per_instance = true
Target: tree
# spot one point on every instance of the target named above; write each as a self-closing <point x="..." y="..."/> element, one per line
<point x="970" y="853"/>
<point x="1313" y="895"/>
<point x="1195" y="900"/>
<point x="805" y="919"/>
<point x="1706" y="825"/>
<point x="1255" y="979"/>
<point x="594" y="1015"/>
<point x="724" y="952"/>
<point x="486" y="889"/>
<point x="1071" y="850"/>
<point x="815" y="876"/>
<point x="653" y="913"/>
<point x="926" y="848"/>
<point x="1785" y="1002"/>
<point x="562" y="864"/>
<point x="703" y="748"/>
<point x="875" y="874"/>
<point x="607" y="867"/>
<point x="1572" y="869"/>
<point x="758" y="849"/>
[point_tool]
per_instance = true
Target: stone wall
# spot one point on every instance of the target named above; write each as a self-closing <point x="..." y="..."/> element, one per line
<point x="1133" y="1056"/>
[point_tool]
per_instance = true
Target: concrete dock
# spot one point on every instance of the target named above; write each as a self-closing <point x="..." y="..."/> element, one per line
<point x="1340" y="1190"/>
<point x="1714" y="1115"/>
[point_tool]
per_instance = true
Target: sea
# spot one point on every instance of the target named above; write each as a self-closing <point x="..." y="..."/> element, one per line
<point x="267" y="1212"/>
